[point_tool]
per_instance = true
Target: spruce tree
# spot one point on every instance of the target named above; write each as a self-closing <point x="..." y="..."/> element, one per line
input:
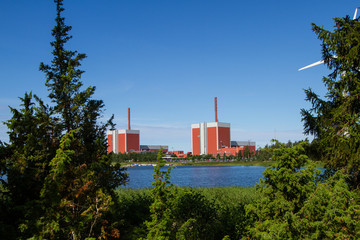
<point x="335" y="120"/>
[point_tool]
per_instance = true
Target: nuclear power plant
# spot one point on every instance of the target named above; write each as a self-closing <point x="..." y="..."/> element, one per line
<point x="127" y="140"/>
<point x="214" y="138"/>
<point x="206" y="138"/>
<point x="124" y="140"/>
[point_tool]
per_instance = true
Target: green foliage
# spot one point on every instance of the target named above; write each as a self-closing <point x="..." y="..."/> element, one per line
<point x="7" y="228"/>
<point x="334" y="121"/>
<point x="178" y="214"/>
<point x="239" y="155"/>
<point x="163" y="194"/>
<point x="132" y="210"/>
<point x="60" y="183"/>
<point x="133" y="157"/>
<point x="182" y="213"/>
<point x="230" y="196"/>
<point x="230" y="205"/>
<point x="295" y="205"/>
<point x="263" y="155"/>
<point x="63" y="77"/>
<point x="331" y="212"/>
<point x="197" y="213"/>
<point x="247" y="153"/>
<point x="26" y="162"/>
<point x="74" y="204"/>
<point x="285" y="187"/>
<point x="312" y="150"/>
<point x="195" y="216"/>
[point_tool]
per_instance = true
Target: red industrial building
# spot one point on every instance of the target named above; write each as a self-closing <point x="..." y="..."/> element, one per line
<point x="122" y="141"/>
<point x="206" y="138"/>
<point x="125" y="140"/>
<point x="214" y="138"/>
<point x="179" y="154"/>
<point x="237" y="146"/>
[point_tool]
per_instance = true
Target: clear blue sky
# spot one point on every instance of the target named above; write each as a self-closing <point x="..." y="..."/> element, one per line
<point x="167" y="60"/>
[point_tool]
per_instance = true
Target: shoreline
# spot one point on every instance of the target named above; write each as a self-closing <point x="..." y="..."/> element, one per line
<point x="202" y="163"/>
<point x="210" y="163"/>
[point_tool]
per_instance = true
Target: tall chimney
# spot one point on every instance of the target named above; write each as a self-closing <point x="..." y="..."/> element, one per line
<point x="216" y="119"/>
<point x="129" y="118"/>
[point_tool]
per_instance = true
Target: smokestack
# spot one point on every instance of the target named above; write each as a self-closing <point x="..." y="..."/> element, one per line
<point x="216" y="119"/>
<point x="129" y="118"/>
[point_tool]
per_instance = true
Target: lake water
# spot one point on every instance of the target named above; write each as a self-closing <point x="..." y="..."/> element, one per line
<point x="199" y="176"/>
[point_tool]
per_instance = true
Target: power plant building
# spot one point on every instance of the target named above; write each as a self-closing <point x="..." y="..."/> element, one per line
<point x="214" y="138"/>
<point x="127" y="140"/>
<point x="124" y="140"/>
<point x="208" y="138"/>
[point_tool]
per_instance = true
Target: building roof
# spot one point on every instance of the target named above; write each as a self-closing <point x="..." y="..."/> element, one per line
<point x="153" y="147"/>
<point x="242" y="143"/>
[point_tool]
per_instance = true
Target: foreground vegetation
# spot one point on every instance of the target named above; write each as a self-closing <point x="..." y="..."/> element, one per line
<point x="291" y="202"/>
<point x="217" y="211"/>
<point x="58" y="182"/>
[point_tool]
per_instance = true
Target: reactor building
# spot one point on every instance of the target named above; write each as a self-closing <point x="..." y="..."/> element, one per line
<point x="124" y="140"/>
<point x="128" y="140"/>
<point x="206" y="138"/>
<point x="214" y="138"/>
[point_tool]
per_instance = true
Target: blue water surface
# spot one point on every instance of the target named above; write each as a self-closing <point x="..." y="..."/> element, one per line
<point x="198" y="176"/>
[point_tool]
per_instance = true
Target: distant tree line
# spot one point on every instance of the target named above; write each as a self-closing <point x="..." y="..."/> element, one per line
<point x="134" y="157"/>
<point x="262" y="154"/>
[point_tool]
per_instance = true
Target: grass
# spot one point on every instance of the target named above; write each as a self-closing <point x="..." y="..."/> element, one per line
<point x="230" y="195"/>
<point x="218" y="211"/>
<point x="220" y="195"/>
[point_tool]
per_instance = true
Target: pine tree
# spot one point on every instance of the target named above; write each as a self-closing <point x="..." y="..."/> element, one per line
<point x="335" y="120"/>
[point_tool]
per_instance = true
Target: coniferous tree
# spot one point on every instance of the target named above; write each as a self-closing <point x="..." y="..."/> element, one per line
<point x="29" y="152"/>
<point x="285" y="187"/>
<point x="84" y="178"/>
<point x="296" y="205"/>
<point x="163" y="195"/>
<point x="60" y="180"/>
<point x="335" y="120"/>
